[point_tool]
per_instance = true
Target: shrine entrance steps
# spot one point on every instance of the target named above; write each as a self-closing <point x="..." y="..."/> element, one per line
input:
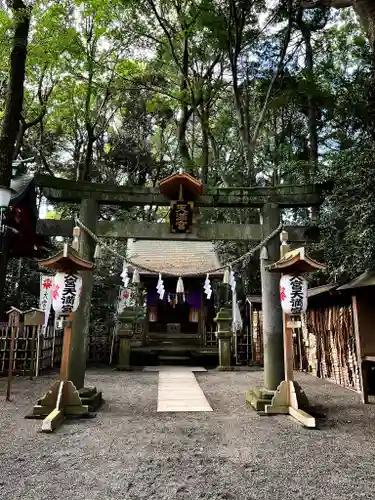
<point x="166" y="354"/>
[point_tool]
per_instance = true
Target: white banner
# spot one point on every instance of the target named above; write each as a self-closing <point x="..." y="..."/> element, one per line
<point x="46" y="283"/>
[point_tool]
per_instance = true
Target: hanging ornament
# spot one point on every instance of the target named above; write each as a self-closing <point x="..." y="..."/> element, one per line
<point x="232" y="281"/>
<point x="136" y="276"/>
<point x="226" y="277"/>
<point x="160" y="287"/>
<point x="207" y="287"/>
<point x="180" y="286"/>
<point x="124" y="275"/>
<point x="98" y="252"/>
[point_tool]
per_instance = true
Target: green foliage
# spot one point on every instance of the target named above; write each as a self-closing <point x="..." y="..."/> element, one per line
<point x="116" y="89"/>
<point x="348" y="217"/>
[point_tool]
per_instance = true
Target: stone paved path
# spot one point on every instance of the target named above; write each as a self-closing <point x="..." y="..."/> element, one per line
<point x="179" y="390"/>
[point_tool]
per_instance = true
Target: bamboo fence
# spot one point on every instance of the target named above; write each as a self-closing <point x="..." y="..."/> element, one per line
<point x="329" y="347"/>
<point x="35" y="350"/>
<point x="325" y="345"/>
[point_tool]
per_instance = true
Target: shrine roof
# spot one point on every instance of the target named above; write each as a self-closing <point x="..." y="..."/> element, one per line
<point x="186" y="258"/>
<point x="365" y="279"/>
<point x="20" y="186"/>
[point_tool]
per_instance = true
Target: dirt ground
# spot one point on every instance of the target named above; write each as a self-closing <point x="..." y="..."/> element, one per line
<point x="129" y="451"/>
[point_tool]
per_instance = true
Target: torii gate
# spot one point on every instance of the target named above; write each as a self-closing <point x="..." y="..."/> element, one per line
<point x="269" y="199"/>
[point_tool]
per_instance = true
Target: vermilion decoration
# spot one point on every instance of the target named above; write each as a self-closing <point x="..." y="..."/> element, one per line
<point x="47" y="283"/>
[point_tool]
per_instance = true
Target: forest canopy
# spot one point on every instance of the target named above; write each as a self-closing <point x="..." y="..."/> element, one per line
<point x="238" y="93"/>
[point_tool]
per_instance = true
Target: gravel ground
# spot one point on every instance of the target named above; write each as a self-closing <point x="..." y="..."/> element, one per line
<point x="132" y="452"/>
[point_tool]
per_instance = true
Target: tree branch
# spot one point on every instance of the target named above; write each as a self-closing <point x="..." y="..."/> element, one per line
<point x="275" y="76"/>
<point x="337" y="4"/>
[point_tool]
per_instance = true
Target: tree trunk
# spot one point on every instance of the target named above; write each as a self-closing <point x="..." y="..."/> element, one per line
<point x="14" y="99"/>
<point x="205" y="143"/>
<point x="312" y="107"/>
<point x="366" y="13"/>
<point x="185" y="111"/>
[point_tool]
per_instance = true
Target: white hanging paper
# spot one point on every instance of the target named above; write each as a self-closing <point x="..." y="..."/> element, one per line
<point x="226" y="277"/>
<point x="160" y="287"/>
<point x="207" y="287"/>
<point x="180" y="286"/>
<point x="232" y="281"/>
<point x="136" y="276"/>
<point x="124" y="275"/>
<point x="236" y="314"/>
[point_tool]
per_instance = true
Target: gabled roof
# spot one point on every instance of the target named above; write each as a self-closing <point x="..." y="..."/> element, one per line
<point x="14" y="309"/>
<point x="175" y="258"/>
<point x="365" y="279"/>
<point x="20" y="185"/>
<point x="319" y="290"/>
<point x="34" y="309"/>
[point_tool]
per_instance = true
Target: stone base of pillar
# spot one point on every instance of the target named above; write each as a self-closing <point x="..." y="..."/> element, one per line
<point x="288" y="399"/>
<point x="60" y="402"/>
<point x="91" y="398"/>
<point x="258" y="398"/>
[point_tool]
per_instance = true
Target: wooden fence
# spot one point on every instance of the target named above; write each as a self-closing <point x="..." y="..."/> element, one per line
<point x="328" y="346"/>
<point x="34" y="350"/>
<point x="325" y="345"/>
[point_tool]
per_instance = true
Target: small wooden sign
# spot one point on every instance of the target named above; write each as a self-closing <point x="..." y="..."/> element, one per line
<point x="181" y="216"/>
<point x="293" y="324"/>
<point x="193" y="315"/>
<point x="152" y="314"/>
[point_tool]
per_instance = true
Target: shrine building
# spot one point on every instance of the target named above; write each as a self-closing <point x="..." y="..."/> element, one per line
<point x="179" y="324"/>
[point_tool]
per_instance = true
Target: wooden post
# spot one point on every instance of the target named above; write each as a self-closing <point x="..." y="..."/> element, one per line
<point x="39" y="329"/>
<point x="224" y="336"/>
<point x="10" y="367"/>
<point x="66" y="352"/>
<point x="32" y="353"/>
<point x="53" y="343"/>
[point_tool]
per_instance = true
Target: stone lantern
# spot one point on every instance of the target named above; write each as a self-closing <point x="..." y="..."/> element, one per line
<point x="63" y="399"/>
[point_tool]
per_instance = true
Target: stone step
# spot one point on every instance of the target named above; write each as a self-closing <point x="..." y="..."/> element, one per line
<point x="173" y="357"/>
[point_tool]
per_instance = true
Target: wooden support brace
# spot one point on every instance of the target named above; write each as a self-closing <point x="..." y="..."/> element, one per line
<point x="61" y="401"/>
<point x="53" y="421"/>
<point x="288" y="399"/>
<point x="304" y="418"/>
